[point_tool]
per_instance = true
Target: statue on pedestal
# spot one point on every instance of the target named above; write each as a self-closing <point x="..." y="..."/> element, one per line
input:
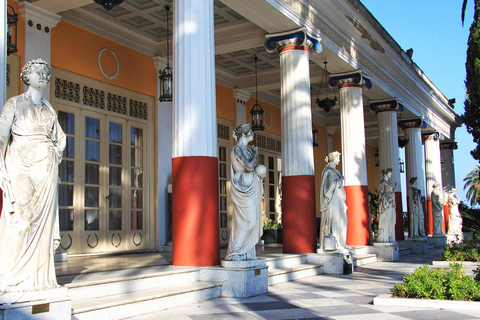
<point x="387" y="205"/>
<point x="333" y="226"/>
<point x="417" y="227"/>
<point x="32" y="144"/>
<point x="454" y="217"/>
<point x="247" y="193"/>
<point x="437" y="210"/>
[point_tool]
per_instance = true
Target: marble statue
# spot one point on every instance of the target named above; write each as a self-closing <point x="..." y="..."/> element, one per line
<point x="386" y="204"/>
<point x="333" y="224"/>
<point x="437" y="210"/>
<point x="247" y="193"/>
<point x="32" y="144"/>
<point x="454" y="217"/>
<point x="417" y="227"/>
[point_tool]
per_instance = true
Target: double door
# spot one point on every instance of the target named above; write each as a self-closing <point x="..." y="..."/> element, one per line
<point x="102" y="191"/>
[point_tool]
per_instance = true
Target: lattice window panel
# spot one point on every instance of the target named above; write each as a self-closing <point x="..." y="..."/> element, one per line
<point x="278" y="146"/>
<point x="138" y="109"/>
<point x="8" y="75"/>
<point x="116" y="103"/>
<point x="93" y="97"/>
<point x="67" y="90"/>
<point x="271" y="144"/>
<point x="223" y="132"/>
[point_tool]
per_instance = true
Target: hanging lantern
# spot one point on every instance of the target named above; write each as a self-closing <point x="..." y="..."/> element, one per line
<point x="315" y="136"/>
<point x="108" y="4"/>
<point x="326" y="103"/>
<point x="257" y="112"/>
<point x="166" y="76"/>
<point x="12" y="19"/>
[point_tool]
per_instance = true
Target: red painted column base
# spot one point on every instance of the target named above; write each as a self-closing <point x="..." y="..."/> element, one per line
<point x="195" y="221"/>
<point x="358" y="230"/>
<point x="429" y="219"/>
<point x="298" y="214"/>
<point x="399" y="215"/>
<point x="446" y="214"/>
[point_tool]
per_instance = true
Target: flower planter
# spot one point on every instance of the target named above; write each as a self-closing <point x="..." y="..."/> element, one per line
<point x="272" y="236"/>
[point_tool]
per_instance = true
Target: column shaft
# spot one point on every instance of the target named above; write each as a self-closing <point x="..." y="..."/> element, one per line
<point x="195" y="162"/>
<point x="433" y="173"/>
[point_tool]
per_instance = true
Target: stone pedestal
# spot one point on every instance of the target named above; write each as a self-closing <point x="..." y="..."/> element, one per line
<point x="440" y="240"/>
<point x="418" y="245"/>
<point x="49" y="304"/>
<point x="387" y="251"/>
<point x="241" y="279"/>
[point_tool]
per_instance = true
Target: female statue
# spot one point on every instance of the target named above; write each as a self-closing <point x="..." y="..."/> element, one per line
<point x="386" y="200"/>
<point x="417" y="227"/>
<point x="32" y="144"/>
<point x="247" y="193"/>
<point x="454" y="217"/>
<point x="437" y="210"/>
<point x="333" y="223"/>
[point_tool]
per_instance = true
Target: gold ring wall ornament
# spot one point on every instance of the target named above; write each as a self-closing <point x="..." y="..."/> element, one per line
<point x="88" y="241"/>
<point x="271" y="119"/>
<point x="119" y="240"/>
<point x="65" y="248"/>
<point x="141" y="239"/>
<point x="100" y="64"/>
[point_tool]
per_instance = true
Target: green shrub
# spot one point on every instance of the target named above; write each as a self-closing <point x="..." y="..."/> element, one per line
<point x="440" y="284"/>
<point x="467" y="251"/>
<point x="270" y="224"/>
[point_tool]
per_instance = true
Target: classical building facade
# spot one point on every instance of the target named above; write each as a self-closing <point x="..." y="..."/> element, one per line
<point x="140" y="174"/>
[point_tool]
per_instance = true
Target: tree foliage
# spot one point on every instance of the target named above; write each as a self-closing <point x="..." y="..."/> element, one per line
<point x="471" y="117"/>
<point x="472" y="185"/>
<point x="470" y="217"/>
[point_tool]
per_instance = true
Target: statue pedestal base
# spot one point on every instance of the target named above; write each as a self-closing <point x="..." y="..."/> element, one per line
<point x="454" y="238"/>
<point x="418" y="245"/>
<point x="241" y="279"/>
<point x="440" y="240"/>
<point x="50" y="304"/>
<point x="387" y="251"/>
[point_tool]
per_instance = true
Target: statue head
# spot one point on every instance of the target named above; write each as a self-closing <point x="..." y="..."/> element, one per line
<point x="241" y="130"/>
<point x="387" y="171"/>
<point x="436" y="185"/>
<point x="29" y="67"/>
<point x="413" y="180"/>
<point x="332" y="156"/>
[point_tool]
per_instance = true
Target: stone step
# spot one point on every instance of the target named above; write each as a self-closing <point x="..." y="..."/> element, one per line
<point x="283" y="261"/>
<point x="121" y="306"/>
<point x="294" y="272"/>
<point x="361" y="259"/>
<point x="405" y="250"/>
<point x="103" y="284"/>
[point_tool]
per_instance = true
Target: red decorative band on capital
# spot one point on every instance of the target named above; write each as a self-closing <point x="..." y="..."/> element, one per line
<point x="292" y="48"/>
<point x="349" y="85"/>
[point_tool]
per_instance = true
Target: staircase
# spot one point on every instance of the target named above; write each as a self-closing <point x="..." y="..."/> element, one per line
<point x="125" y="293"/>
<point x="292" y="267"/>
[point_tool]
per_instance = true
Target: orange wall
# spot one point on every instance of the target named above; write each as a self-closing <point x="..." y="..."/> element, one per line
<point x="76" y="50"/>
<point x="225" y="103"/>
<point x="372" y="171"/>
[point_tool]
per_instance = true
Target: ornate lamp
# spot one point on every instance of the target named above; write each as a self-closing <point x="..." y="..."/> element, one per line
<point x="257" y="112"/>
<point x="108" y="4"/>
<point x="315" y="136"/>
<point x="402" y="165"/>
<point x="12" y="19"/>
<point x="326" y="103"/>
<point x="166" y="75"/>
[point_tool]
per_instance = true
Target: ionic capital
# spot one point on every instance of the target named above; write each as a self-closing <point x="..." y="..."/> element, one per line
<point x="386" y="105"/>
<point x="412" y="123"/>
<point x="298" y="39"/>
<point x="349" y="79"/>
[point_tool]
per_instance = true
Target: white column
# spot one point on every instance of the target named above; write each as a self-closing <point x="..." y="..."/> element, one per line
<point x="241" y="98"/>
<point x="413" y="152"/>
<point x="388" y="136"/>
<point x="330" y="131"/>
<point x="448" y="164"/>
<point x="3" y="53"/>
<point x="433" y="170"/>
<point x="194" y="163"/>
<point x="195" y="118"/>
<point x="354" y="158"/>
<point x="298" y="176"/>
<point x="39" y="23"/>
<point x="164" y="157"/>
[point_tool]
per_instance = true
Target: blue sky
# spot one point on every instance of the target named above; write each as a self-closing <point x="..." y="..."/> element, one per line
<point x="433" y="28"/>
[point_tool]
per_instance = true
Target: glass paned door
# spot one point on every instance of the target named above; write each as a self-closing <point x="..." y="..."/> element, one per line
<point x="272" y="185"/>
<point x="223" y="174"/>
<point x="102" y="194"/>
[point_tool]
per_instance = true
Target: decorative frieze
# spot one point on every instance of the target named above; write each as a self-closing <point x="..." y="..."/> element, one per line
<point x="67" y="90"/>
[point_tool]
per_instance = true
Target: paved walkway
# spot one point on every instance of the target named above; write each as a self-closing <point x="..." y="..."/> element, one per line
<point x="342" y="297"/>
